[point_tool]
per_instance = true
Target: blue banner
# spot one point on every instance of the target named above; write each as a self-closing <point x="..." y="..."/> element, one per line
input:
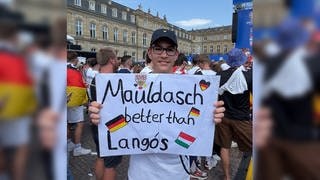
<point x="244" y="31"/>
<point x="217" y="57"/>
<point x="303" y="8"/>
<point x="241" y="1"/>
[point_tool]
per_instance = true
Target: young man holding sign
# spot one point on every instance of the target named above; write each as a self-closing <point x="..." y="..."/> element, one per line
<point x="163" y="53"/>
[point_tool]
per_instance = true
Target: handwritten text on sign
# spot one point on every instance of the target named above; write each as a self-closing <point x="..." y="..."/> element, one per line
<point x="156" y="113"/>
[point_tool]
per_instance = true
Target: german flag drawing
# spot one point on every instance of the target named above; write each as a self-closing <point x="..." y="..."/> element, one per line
<point x="185" y="140"/>
<point x="116" y="123"/>
<point x="194" y="112"/>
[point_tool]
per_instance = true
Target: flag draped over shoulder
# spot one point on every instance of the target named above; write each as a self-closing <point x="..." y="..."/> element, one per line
<point x="17" y="95"/>
<point x="76" y="89"/>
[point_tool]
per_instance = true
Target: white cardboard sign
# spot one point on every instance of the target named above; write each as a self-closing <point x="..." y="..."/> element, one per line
<point x="156" y="113"/>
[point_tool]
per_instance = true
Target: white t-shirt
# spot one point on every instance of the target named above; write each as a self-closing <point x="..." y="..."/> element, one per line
<point x="208" y="72"/>
<point x="158" y="167"/>
<point x="193" y="70"/>
<point x="146" y="70"/>
<point x="90" y="74"/>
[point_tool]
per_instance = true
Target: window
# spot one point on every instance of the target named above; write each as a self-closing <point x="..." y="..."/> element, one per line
<point x="225" y="49"/>
<point x="77" y="2"/>
<point x="125" y="36"/>
<point x="133" y="56"/>
<point x="115" y="34"/>
<point x="78" y="27"/>
<point x="132" y="18"/>
<point x="92" y="5"/>
<point x="124" y="15"/>
<point x="145" y="22"/>
<point x="211" y="49"/>
<point x="114" y="12"/>
<point x="204" y="49"/>
<point x="125" y="53"/>
<point x="133" y="37"/>
<point x="103" y="8"/>
<point x="105" y="33"/>
<point x="144" y="39"/>
<point x="225" y="37"/>
<point x="205" y="38"/>
<point x="93" y="49"/>
<point x="93" y="30"/>
<point x="218" y="49"/>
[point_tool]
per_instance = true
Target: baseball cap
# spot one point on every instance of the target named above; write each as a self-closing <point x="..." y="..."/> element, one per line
<point x="164" y="33"/>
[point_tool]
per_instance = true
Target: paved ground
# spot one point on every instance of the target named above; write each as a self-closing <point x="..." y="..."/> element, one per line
<point x="82" y="166"/>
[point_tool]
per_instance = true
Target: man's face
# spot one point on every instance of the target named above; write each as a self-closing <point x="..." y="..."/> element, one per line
<point x="163" y="54"/>
<point x="129" y="63"/>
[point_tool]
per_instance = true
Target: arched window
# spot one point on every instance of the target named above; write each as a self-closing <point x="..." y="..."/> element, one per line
<point x="105" y="34"/>
<point x="115" y="34"/>
<point x="144" y="39"/>
<point x="92" y="30"/>
<point x="78" y="27"/>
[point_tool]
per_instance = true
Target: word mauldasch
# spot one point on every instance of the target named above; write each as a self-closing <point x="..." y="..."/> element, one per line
<point x="152" y="95"/>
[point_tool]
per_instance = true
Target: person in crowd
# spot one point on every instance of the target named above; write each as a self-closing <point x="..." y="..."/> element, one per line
<point x="104" y="166"/>
<point x="137" y="68"/>
<point x="76" y="89"/>
<point x="235" y="88"/>
<point x="18" y="101"/>
<point x="163" y="53"/>
<point x="180" y="64"/>
<point x="90" y="73"/>
<point x="126" y="64"/>
<point x="195" y="65"/>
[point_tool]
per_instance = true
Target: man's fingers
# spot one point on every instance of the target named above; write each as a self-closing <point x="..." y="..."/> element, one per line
<point x="218" y="104"/>
<point x="94" y="116"/>
<point x="95" y="121"/>
<point x="220" y="110"/>
<point x="96" y="104"/>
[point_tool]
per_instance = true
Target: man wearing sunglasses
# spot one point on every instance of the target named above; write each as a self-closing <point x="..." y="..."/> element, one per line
<point x="163" y="54"/>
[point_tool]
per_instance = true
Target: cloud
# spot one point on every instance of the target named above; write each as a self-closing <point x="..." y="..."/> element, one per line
<point x="193" y="22"/>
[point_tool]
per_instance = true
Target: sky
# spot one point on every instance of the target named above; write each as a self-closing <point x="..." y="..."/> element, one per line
<point x="188" y="14"/>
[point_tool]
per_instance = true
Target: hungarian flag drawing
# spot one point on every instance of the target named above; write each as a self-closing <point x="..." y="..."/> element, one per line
<point x="116" y="123"/>
<point x="194" y="112"/>
<point x="185" y="140"/>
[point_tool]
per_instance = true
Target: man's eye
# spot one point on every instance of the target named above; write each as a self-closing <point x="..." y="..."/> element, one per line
<point x="170" y="50"/>
<point x="157" y="48"/>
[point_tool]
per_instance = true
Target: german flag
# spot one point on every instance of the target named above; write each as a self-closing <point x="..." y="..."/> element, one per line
<point x="17" y="93"/>
<point x="116" y="123"/>
<point x="76" y="89"/>
<point x="194" y="112"/>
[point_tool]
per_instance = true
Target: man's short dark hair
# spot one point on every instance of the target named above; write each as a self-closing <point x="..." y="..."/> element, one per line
<point x="125" y="58"/>
<point x="148" y="60"/>
<point x="195" y="59"/>
<point x="92" y="62"/>
<point x="181" y="58"/>
<point x="72" y="56"/>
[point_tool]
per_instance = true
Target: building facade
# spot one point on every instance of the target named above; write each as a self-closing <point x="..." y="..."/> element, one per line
<point x="98" y="23"/>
